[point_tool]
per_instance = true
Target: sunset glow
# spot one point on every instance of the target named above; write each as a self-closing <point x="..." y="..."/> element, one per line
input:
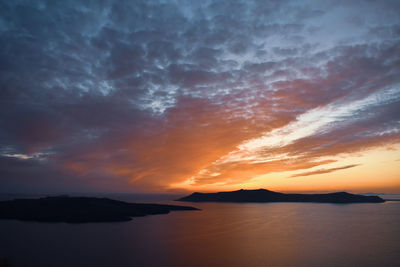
<point x="169" y="96"/>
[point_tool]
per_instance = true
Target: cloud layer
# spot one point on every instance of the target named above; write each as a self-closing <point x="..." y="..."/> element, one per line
<point x="140" y="95"/>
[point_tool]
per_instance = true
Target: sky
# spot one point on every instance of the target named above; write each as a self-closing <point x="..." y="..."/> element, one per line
<point x="176" y="96"/>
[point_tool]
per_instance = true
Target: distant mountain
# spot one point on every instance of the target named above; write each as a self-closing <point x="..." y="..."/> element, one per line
<point x="263" y="195"/>
<point x="79" y="209"/>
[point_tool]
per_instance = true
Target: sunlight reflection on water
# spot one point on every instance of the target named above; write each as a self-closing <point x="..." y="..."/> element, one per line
<point x="270" y="234"/>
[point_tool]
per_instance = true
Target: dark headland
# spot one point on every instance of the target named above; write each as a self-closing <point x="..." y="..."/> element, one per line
<point x="263" y="195"/>
<point x="79" y="209"/>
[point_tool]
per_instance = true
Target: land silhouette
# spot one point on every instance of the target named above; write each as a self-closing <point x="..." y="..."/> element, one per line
<point x="80" y="209"/>
<point x="264" y="195"/>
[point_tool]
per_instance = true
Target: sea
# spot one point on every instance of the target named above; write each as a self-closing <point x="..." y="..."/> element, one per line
<point x="220" y="234"/>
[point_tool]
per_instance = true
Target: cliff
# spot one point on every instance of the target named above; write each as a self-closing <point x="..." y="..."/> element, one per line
<point x="79" y="209"/>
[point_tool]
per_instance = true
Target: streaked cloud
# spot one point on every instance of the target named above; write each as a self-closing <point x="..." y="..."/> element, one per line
<point x="321" y="171"/>
<point x="18" y="156"/>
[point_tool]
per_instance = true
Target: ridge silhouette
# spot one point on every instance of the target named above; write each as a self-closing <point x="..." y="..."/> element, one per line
<point x="264" y="195"/>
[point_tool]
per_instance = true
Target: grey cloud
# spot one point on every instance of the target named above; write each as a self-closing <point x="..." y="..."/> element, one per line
<point x="42" y="176"/>
<point x="322" y="171"/>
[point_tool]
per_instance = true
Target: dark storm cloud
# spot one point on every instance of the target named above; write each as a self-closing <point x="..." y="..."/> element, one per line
<point x="128" y="90"/>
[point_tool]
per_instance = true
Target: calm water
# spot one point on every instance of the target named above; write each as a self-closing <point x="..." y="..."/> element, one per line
<point x="275" y="234"/>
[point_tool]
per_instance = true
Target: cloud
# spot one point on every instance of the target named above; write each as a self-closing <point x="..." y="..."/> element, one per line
<point x="38" y="175"/>
<point x="322" y="171"/>
<point x="153" y="93"/>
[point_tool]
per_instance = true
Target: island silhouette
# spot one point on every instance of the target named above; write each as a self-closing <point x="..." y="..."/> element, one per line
<point x="80" y="209"/>
<point x="264" y="195"/>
